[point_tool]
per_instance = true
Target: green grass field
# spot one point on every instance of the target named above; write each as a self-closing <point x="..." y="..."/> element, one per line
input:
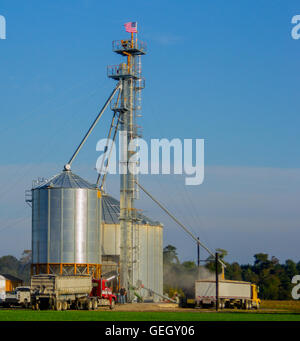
<point x="270" y="311"/>
<point x="29" y="315"/>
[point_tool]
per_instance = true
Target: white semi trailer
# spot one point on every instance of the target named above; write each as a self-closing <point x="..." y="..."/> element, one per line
<point x="232" y="294"/>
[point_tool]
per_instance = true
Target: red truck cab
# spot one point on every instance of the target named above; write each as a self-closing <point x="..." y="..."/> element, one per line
<point x="103" y="292"/>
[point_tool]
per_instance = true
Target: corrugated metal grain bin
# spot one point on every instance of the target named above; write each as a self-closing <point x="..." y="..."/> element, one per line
<point x="149" y="246"/>
<point x="66" y="216"/>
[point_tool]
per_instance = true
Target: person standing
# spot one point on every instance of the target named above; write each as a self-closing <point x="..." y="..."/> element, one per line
<point x="125" y="296"/>
<point x="122" y="295"/>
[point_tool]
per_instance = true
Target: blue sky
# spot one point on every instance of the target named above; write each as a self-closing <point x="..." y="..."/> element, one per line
<point x="223" y="71"/>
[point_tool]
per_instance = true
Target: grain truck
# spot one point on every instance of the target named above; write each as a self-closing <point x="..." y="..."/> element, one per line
<point x="232" y="294"/>
<point x="60" y="292"/>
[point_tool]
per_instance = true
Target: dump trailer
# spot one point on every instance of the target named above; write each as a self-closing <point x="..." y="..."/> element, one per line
<point x="59" y="292"/>
<point x="242" y="295"/>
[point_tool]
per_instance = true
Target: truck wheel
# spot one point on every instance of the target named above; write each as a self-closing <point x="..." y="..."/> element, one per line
<point x="64" y="305"/>
<point x="200" y="304"/>
<point x="89" y="305"/>
<point x="94" y="304"/>
<point x="182" y="302"/>
<point x="25" y="304"/>
<point x="58" y="305"/>
<point x="112" y="306"/>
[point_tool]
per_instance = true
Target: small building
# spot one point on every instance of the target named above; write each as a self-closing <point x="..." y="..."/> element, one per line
<point x="2" y="288"/>
<point x="9" y="282"/>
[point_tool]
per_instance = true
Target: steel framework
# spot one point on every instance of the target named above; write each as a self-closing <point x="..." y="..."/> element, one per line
<point x="129" y="76"/>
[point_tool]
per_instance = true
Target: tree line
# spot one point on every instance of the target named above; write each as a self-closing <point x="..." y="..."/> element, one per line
<point x="19" y="268"/>
<point x="272" y="278"/>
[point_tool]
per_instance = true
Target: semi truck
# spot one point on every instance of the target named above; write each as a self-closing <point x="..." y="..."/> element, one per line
<point x="103" y="292"/>
<point x="60" y="292"/>
<point x="243" y="295"/>
<point x="232" y="294"/>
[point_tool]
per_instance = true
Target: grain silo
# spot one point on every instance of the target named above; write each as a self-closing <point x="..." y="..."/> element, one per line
<point x="148" y="255"/>
<point x="66" y="219"/>
<point x="74" y="230"/>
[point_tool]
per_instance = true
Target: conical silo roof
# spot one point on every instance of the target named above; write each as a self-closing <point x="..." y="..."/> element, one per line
<point x="111" y="212"/>
<point x="67" y="179"/>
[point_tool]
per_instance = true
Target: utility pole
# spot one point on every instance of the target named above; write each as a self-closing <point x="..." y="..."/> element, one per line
<point x="198" y="253"/>
<point x="217" y="281"/>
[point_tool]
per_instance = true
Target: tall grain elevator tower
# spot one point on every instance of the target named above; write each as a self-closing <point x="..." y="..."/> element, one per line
<point x="128" y="106"/>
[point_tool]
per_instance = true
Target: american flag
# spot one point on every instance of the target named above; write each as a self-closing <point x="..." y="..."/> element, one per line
<point x="131" y="27"/>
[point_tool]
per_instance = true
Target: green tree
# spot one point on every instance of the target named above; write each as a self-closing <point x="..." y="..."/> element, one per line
<point x="249" y="275"/>
<point x="189" y="265"/>
<point x="170" y="255"/>
<point x="26" y="257"/>
<point x="210" y="261"/>
<point x="18" y="268"/>
<point x="298" y="268"/>
<point x="233" y="272"/>
<point x="290" y="268"/>
<point x="261" y="260"/>
<point x="9" y="265"/>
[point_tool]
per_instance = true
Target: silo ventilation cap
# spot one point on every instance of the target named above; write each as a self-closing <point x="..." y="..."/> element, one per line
<point x="67" y="167"/>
